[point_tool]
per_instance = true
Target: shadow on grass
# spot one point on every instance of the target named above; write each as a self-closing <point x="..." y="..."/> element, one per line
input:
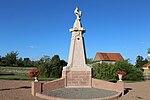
<point x="22" y="87"/>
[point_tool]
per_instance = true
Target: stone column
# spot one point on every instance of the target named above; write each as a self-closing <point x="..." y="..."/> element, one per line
<point x="120" y="87"/>
<point x="77" y="73"/>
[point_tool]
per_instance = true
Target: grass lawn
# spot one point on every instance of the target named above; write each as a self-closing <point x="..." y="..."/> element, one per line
<point x="21" y="75"/>
<point x="17" y="68"/>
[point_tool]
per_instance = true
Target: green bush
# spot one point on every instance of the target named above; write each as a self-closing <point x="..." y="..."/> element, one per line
<point x="108" y="71"/>
<point x="135" y="75"/>
<point x="103" y="71"/>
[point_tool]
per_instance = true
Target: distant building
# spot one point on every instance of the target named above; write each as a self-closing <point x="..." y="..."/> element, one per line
<point x="146" y="72"/>
<point x="109" y="58"/>
<point x="146" y="68"/>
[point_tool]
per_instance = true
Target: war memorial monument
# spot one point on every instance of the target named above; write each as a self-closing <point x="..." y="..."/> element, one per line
<point x="76" y="81"/>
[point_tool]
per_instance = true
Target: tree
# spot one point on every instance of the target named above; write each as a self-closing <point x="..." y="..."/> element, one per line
<point x="63" y="63"/>
<point x="89" y="60"/>
<point x="148" y="55"/>
<point x="3" y="61"/>
<point x="52" y="68"/>
<point x="46" y="58"/>
<point x="56" y="66"/>
<point x="140" y="61"/>
<point x="0" y="60"/>
<point x="11" y="58"/>
<point x="27" y="62"/>
<point x="20" y="62"/>
<point x="148" y="51"/>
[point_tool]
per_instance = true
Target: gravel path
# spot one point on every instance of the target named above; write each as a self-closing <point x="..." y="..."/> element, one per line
<point x="16" y="90"/>
<point x="80" y="93"/>
<point x="21" y="90"/>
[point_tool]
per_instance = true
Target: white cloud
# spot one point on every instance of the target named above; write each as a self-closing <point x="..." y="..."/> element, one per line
<point x="144" y="43"/>
<point x="31" y="46"/>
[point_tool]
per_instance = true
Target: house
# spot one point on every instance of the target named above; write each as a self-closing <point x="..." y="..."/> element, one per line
<point x="109" y="58"/>
<point x="146" y="68"/>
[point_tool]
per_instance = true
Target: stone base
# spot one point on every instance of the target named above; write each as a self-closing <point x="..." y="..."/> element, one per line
<point x="75" y="78"/>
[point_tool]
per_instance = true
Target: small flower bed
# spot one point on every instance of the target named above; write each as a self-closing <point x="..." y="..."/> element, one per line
<point x="34" y="73"/>
<point x="123" y="73"/>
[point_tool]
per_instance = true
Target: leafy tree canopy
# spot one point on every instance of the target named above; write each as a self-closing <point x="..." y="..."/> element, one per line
<point x="140" y="61"/>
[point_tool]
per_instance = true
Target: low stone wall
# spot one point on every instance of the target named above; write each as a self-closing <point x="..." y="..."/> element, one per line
<point x="52" y="85"/>
<point x="103" y="84"/>
<point x="39" y="87"/>
<point x="119" y="86"/>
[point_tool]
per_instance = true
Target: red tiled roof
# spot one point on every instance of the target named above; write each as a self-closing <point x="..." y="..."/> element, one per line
<point x="146" y="65"/>
<point x="108" y="56"/>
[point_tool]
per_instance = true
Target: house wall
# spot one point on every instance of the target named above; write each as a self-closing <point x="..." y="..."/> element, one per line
<point x="146" y="73"/>
<point x="96" y="58"/>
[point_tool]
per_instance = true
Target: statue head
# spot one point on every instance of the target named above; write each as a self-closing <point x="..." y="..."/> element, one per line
<point x="77" y="7"/>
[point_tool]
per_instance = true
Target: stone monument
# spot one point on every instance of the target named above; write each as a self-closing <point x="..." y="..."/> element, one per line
<point x="77" y="73"/>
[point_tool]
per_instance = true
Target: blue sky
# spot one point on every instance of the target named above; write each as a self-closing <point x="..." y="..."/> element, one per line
<point x="41" y="27"/>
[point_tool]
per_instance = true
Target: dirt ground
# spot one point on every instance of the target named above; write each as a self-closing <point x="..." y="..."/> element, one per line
<point x="137" y="91"/>
<point x="21" y="90"/>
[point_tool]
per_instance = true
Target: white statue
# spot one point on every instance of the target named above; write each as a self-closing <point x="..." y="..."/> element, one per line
<point x="77" y="13"/>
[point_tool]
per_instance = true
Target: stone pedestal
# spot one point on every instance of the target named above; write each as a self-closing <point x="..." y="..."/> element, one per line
<point x="36" y="87"/>
<point x="76" y="78"/>
<point x="120" y="87"/>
